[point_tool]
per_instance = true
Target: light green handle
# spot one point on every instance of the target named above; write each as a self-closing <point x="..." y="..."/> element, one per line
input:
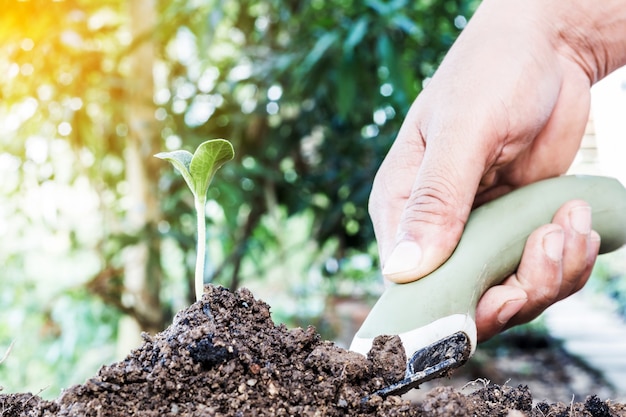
<point x="491" y="248"/>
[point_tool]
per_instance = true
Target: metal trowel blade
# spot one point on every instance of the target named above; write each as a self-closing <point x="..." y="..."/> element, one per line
<point x="433" y="361"/>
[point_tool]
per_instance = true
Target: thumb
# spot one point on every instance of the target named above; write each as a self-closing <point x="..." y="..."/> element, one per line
<point x="435" y="213"/>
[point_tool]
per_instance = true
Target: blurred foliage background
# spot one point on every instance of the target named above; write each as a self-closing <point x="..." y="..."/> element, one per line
<point x="98" y="236"/>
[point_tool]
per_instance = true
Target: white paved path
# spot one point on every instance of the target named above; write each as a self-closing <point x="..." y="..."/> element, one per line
<point x="593" y="332"/>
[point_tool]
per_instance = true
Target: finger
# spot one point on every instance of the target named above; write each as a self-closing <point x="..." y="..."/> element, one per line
<point x="592" y="255"/>
<point x="436" y="208"/>
<point x="499" y="309"/>
<point x="540" y="273"/>
<point x="391" y="188"/>
<point x="538" y="276"/>
<point x="579" y="251"/>
<point x="496" y="307"/>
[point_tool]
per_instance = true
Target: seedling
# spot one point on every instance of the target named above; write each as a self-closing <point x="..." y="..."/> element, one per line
<point x="198" y="171"/>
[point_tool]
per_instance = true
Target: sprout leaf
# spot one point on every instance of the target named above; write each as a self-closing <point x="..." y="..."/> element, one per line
<point x="181" y="161"/>
<point x="207" y="159"/>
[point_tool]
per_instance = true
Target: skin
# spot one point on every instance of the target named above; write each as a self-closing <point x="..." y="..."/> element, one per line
<point x="507" y="107"/>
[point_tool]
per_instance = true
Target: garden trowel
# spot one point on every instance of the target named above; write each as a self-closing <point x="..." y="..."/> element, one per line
<point x="434" y="316"/>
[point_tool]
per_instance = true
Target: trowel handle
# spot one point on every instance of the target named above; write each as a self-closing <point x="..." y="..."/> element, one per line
<point x="491" y="248"/>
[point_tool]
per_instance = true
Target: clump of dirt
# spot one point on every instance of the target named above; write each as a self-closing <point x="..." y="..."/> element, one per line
<point x="223" y="356"/>
<point x="388" y="358"/>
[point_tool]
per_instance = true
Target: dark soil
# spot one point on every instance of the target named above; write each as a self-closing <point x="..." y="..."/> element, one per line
<point x="224" y="356"/>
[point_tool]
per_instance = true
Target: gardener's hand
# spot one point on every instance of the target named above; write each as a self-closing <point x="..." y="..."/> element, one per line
<point x="507" y="107"/>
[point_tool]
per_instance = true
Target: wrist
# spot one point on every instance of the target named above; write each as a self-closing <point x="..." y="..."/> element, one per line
<point x="591" y="34"/>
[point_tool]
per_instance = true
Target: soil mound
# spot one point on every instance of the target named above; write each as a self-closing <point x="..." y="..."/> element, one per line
<point x="223" y="356"/>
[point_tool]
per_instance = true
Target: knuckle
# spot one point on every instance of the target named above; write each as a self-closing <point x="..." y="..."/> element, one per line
<point x="543" y="294"/>
<point x="437" y="202"/>
<point x="547" y="295"/>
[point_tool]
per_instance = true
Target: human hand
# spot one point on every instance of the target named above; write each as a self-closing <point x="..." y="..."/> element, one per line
<point x="507" y="107"/>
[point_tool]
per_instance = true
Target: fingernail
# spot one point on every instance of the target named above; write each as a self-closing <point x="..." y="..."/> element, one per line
<point x="553" y="245"/>
<point x="580" y="219"/>
<point x="595" y="237"/>
<point x="405" y="257"/>
<point x="509" y="309"/>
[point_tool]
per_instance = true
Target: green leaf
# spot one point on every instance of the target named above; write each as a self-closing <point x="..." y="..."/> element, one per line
<point x="356" y="35"/>
<point x="207" y="159"/>
<point x="347" y="89"/>
<point x="181" y="161"/>
<point x="319" y="50"/>
<point x="407" y="25"/>
<point x="198" y="169"/>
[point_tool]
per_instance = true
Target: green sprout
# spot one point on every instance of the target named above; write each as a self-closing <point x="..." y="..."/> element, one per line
<point x="198" y="171"/>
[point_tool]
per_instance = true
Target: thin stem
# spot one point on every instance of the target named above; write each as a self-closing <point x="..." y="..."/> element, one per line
<point x="8" y="352"/>
<point x="200" y="247"/>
